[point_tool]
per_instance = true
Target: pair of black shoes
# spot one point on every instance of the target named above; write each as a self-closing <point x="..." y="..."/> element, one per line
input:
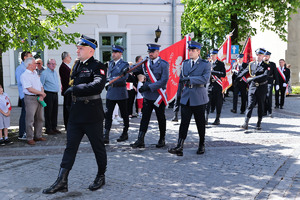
<point x="179" y="150"/>
<point x="5" y="142"/>
<point x="140" y="144"/>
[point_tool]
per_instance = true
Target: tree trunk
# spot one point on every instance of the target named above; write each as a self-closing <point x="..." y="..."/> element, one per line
<point x="234" y="26"/>
<point x="1" y="69"/>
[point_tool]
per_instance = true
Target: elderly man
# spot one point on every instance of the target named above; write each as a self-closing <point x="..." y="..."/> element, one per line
<point x="39" y="68"/>
<point x="88" y="79"/>
<point x="19" y="71"/>
<point x="64" y="73"/>
<point x="34" y="92"/>
<point x="50" y="81"/>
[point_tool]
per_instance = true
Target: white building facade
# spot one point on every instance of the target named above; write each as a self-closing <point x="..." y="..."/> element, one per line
<point x="131" y="24"/>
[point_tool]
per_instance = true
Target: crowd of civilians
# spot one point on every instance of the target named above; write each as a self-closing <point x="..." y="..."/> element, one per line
<point x="38" y="89"/>
<point x="38" y="96"/>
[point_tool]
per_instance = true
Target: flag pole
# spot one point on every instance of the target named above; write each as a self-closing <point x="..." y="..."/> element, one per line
<point x="243" y="49"/>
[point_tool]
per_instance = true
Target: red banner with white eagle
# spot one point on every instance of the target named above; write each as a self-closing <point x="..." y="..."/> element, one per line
<point x="247" y="51"/>
<point x="174" y="55"/>
<point x="224" y="55"/>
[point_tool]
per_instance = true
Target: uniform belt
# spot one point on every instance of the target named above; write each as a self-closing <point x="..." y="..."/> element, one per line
<point x="194" y="85"/>
<point x="86" y="99"/>
<point x="258" y="84"/>
<point x="50" y="92"/>
<point x="118" y="85"/>
<point x="34" y="95"/>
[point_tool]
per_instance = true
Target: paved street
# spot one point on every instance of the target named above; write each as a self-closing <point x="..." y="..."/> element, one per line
<point x="237" y="164"/>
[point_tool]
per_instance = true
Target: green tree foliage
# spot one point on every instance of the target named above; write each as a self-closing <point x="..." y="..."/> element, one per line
<point x="212" y="20"/>
<point x="21" y="21"/>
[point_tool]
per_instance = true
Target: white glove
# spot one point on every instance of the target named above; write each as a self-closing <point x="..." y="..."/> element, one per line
<point x="284" y="84"/>
<point x="277" y="87"/>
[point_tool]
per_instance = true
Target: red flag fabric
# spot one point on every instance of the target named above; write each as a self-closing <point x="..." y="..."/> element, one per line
<point x="247" y="51"/>
<point x="224" y="55"/>
<point x="174" y="55"/>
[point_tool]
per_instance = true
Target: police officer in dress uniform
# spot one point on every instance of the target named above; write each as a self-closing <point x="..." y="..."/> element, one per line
<point x="117" y="93"/>
<point x="283" y="74"/>
<point x="258" y="87"/>
<point x="88" y="79"/>
<point x="160" y="70"/>
<point x="193" y="78"/>
<point x="239" y="85"/>
<point x="215" y="87"/>
<point x="272" y="77"/>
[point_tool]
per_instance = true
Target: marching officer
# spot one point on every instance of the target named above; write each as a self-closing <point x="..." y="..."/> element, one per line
<point x="215" y="87"/>
<point x="156" y="71"/>
<point x="117" y="93"/>
<point x="193" y="78"/>
<point x="239" y="85"/>
<point x="258" y="87"/>
<point x="272" y="77"/>
<point x="88" y="79"/>
<point x="283" y="74"/>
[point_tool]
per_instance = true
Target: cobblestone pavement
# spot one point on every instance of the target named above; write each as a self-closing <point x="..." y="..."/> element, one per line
<point x="237" y="164"/>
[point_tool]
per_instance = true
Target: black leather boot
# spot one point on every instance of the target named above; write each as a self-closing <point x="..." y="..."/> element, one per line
<point x="175" y="118"/>
<point x="201" y="149"/>
<point x="178" y="150"/>
<point x="217" y="120"/>
<point x="245" y="125"/>
<point x="124" y="135"/>
<point x="140" y="141"/>
<point x="161" y="142"/>
<point x="106" y="136"/>
<point x="258" y="124"/>
<point x="61" y="183"/>
<point x="98" y="182"/>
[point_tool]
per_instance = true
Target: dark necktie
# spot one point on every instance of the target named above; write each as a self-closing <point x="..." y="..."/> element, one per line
<point x="152" y="63"/>
<point x="79" y="66"/>
<point x="113" y="64"/>
<point x="193" y="63"/>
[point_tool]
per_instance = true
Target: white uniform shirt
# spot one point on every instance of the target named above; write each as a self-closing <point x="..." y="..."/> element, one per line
<point x="30" y="79"/>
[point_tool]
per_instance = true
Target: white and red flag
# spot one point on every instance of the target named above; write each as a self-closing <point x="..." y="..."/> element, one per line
<point x="174" y="55"/>
<point x="224" y="55"/>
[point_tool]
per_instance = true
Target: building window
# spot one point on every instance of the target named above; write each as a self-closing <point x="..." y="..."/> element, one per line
<point x="108" y="39"/>
<point x="36" y="54"/>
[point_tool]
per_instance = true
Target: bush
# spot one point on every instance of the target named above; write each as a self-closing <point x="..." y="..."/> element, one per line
<point x="295" y="89"/>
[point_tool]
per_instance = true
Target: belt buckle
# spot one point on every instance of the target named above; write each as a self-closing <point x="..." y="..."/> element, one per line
<point x="190" y="86"/>
<point x="213" y="80"/>
<point x="256" y="84"/>
<point x="86" y="101"/>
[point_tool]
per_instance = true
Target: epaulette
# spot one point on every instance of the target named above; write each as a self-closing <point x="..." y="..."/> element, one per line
<point x="266" y="63"/>
<point x="203" y="60"/>
<point x="163" y="61"/>
<point x="186" y="60"/>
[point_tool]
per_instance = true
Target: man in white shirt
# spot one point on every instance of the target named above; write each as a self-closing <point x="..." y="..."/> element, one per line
<point x="33" y="89"/>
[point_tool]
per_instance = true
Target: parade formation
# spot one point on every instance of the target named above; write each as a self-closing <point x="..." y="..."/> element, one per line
<point x="200" y="92"/>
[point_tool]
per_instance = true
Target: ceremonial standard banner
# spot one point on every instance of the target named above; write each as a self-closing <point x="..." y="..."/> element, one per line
<point x="224" y="55"/>
<point x="174" y="55"/>
<point x="247" y="51"/>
